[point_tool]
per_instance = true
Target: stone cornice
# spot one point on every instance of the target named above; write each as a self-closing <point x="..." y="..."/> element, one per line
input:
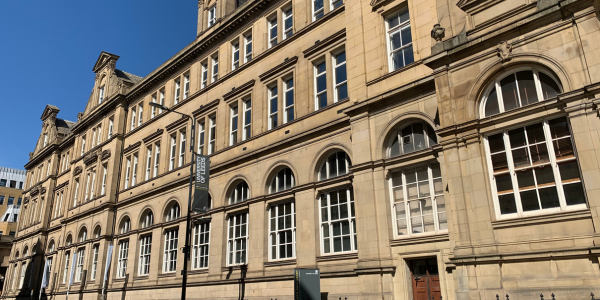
<point x="60" y="186"/>
<point x="288" y="62"/>
<point x="132" y="147"/>
<point x="207" y="107"/>
<point x="320" y="45"/>
<point x="239" y="90"/>
<point x="177" y="123"/>
<point x="87" y="212"/>
<point x="40" y="156"/>
<point x="154" y="135"/>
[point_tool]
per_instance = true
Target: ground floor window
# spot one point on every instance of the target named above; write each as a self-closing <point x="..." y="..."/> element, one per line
<point x="338" y="224"/>
<point x="237" y="239"/>
<point x="201" y="245"/>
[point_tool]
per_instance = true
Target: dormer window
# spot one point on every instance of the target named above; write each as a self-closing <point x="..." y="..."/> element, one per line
<point x="212" y="15"/>
<point x="101" y="95"/>
<point x="45" y="139"/>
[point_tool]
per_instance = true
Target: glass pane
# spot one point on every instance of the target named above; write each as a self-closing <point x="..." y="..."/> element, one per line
<point x="397" y="60"/>
<point x="520" y="157"/>
<point x="289" y="97"/>
<point x="325" y="230"/>
<point x="549" y="197"/>
<point x="341" y="163"/>
<point x="438" y="186"/>
<point x="323" y="100"/>
<point x="411" y="190"/>
<point x="424" y="189"/>
<point x="404" y="17"/>
<point x="346" y="243"/>
<point x="443" y="221"/>
<point x="440" y="203"/>
<point x="400" y="210"/>
<point x="318" y="4"/>
<point x="345" y="227"/>
<point x="428" y="223"/>
<point x="539" y="153"/>
<point x="431" y="136"/>
<point x="503" y="183"/>
<point x="407" y="140"/>
<point x="340" y="74"/>
<point x="393" y="21"/>
<point x="517" y="138"/>
<point x="422" y="173"/>
<point x="525" y="179"/>
<point x="395" y="40"/>
<point x="535" y="133"/>
<point x="496" y="142"/>
<point x="288" y="23"/>
<point x="326" y="246"/>
<point x="417" y="225"/>
<point x="507" y="204"/>
<point x="409" y="57"/>
<point x="527" y="89"/>
<point x="491" y="104"/>
<point x="321" y="83"/>
<point x="323" y="172"/>
<point x="549" y="87"/>
<point x="337" y="244"/>
<point x="331" y="161"/>
<point x="544" y="175"/>
<point x="427" y="206"/>
<point x="419" y="136"/>
<point x="568" y="171"/>
<point x="406" y="36"/>
<point x="509" y="93"/>
<point x="290" y="114"/>
<point x="529" y="200"/>
<point x="574" y="193"/>
<point x="342" y="91"/>
<point x="395" y="148"/>
<point x="274" y="103"/>
<point x="414" y="208"/>
<point x="563" y="148"/>
<point x="401" y="225"/>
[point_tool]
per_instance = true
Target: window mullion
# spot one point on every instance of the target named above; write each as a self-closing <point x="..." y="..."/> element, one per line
<point x="513" y="175"/>
<point x="517" y="89"/>
<point x="406" y="206"/>
<point x="538" y="85"/>
<point x="433" y="199"/>
<point x="499" y="96"/>
<point x="554" y="165"/>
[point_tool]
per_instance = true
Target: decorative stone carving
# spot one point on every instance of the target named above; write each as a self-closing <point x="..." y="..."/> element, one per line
<point x="91" y="158"/>
<point x="43" y="191"/>
<point x="105" y="154"/>
<point x="504" y="51"/>
<point x="438" y="32"/>
<point x="77" y="171"/>
<point x="34" y="191"/>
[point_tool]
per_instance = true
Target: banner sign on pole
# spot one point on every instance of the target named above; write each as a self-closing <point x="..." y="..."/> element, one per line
<point x="307" y="284"/>
<point x="45" y="275"/>
<point x="73" y="264"/>
<point x="200" y="204"/>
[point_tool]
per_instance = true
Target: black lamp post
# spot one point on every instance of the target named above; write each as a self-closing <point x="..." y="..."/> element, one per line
<point x="186" y="247"/>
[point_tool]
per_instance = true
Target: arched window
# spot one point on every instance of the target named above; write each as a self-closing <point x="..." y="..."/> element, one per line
<point x="51" y="246"/>
<point x="518" y="89"/>
<point x="69" y="240"/>
<point x="147" y="219"/>
<point x="413" y="137"/>
<point x="337" y="164"/>
<point x="125" y="225"/>
<point x="17" y="255"/>
<point x="283" y="180"/>
<point x="172" y="212"/>
<point x="25" y="251"/>
<point x="83" y="235"/>
<point x="239" y="193"/>
<point x="97" y="232"/>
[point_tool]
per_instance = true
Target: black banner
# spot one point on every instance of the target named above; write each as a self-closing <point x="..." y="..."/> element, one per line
<point x="201" y="203"/>
<point x="307" y="284"/>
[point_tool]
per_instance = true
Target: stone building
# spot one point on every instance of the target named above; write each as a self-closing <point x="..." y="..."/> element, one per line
<point x="412" y="149"/>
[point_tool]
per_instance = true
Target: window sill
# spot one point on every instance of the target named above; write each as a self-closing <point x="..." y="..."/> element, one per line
<point x="166" y="275"/>
<point x="543" y="219"/>
<point x="395" y="72"/>
<point x="141" y="277"/>
<point x="334" y="257"/>
<point x="282" y="262"/>
<point x="422" y="239"/>
<point x="198" y="271"/>
<point x="234" y="268"/>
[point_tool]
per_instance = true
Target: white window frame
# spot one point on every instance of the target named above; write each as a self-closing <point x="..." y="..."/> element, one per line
<point x="241" y="240"/>
<point x="235" y="49"/>
<point x="161" y="100"/>
<point x="240" y="190"/>
<point x="397" y="29"/>
<point x="45" y="139"/>
<point x="317" y="75"/>
<point x="76" y="192"/>
<point x="286" y="90"/>
<point x="95" y="252"/>
<point x="66" y="269"/>
<point x="177" y="91"/>
<point x="247" y="46"/>
<point x="215" y="68"/>
<point x="99" y="134"/>
<point x="80" y="260"/>
<point x="212" y="135"/>
<point x="148" y="162"/>
<point x="316" y="12"/>
<point x="272" y="24"/>
<point x="233" y="124"/>
<point x="201" y="246"/>
<point x="173" y="152"/>
<point x="103" y="190"/>
<point x="153" y="113"/>
<point x="276" y="181"/>
<point x="134" y="170"/>
<point x="333" y="2"/>
<point x="351" y="219"/>
<point x="122" y="258"/>
<point x="204" y="75"/>
<point x="23" y="272"/>
<point x="247" y="132"/>
<point x="170" y="255"/>
<point x="156" y="159"/>
<point x="145" y="252"/>
<point x="110" y="127"/>
<point x="93" y="184"/>
<point x="186" y="86"/>
<point x="273" y="95"/>
<point x="181" y="159"/>
<point x="83" y="145"/>
<point x="101" y="94"/>
<point x="287" y="14"/>
<point x="275" y="231"/>
<point x="212" y="15"/>
<point x="127" y="172"/>
<point x="133" y="116"/>
<point x="336" y="85"/>
<point x="201" y="137"/>
<point x="328" y="167"/>
<point x="140" y="114"/>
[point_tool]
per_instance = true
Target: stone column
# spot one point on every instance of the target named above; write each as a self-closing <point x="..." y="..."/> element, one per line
<point x="307" y="229"/>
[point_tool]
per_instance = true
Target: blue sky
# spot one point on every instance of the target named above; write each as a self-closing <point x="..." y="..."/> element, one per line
<point x="48" y="49"/>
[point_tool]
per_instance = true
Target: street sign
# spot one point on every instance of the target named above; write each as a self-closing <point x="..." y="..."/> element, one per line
<point x="200" y="204"/>
<point x="307" y="284"/>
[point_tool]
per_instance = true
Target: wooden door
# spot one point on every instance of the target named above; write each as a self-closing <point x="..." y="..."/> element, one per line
<point x="425" y="279"/>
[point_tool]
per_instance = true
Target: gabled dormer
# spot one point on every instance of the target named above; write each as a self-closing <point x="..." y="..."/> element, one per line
<point x="109" y="81"/>
<point x="53" y="129"/>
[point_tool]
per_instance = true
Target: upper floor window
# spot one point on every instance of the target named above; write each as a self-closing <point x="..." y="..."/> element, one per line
<point x="212" y="134"/>
<point x="186" y="86"/>
<point x="283" y="180"/>
<point x="414" y="137"/>
<point x="215" y="68"/>
<point x="288" y="23"/>
<point x="248" y="47"/>
<point x="288" y="85"/>
<point x="177" y="91"/>
<point x="110" y="129"/>
<point x="204" y="75"/>
<point x="181" y="148"/>
<point x="173" y="212"/>
<point x="201" y="245"/>
<point x="83" y="145"/>
<point x="148" y="219"/>
<point x="83" y="235"/>
<point x="212" y="15"/>
<point x="533" y="169"/>
<point x="399" y="40"/>
<point x="336" y="3"/>
<point x="320" y="85"/>
<point x="418" y="204"/>
<point x="125" y="225"/>
<point x="519" y="89"/>
<point x="340" y="77"/>
<point x="133" y="114"/>
<point x="100" y="94"/>
<point x="140" y="114"/>
<point x="239" y="193"/>
<point x="272" y="32"/>
<point x="233" y="125"/>
<point x="235" y="55"/>
<point x="153" y="113"/>
<point x="337" y="164"/>
<point x="318" y="9"/>
<point x="273" y="106"/>
<point x="237" y="239"/>
<point x="247" y="119"/>
<point x="45" y="139"/>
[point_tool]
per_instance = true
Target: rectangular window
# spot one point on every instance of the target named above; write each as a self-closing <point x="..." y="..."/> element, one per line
<point x="201" y="245"/>
<point x="127" y="172"/>
<point x="95" y="251"/>
<point x="273" y="107"/>
<point x="212" y="15"/>
<point x="212" y="135"/>
<point x="418" y="201"/>
<point x="83" y="145"/>
<point x="153" y="112"/>
<point x="99" y="134"/>
<point x="76" y="192"/>
<point x="288" y="95"/>
<point x="336" y="3"/>
<point x="340" y="77"/>
<point x="170" y="258"/>
<point x="1" y="200"/>
<point x="273" y="32"/>
<point x="145" y="248"/>
<point x="399" y="40"/>
<point x="201" y="134"/>
<point x="93" y="184"/>
<point x="66" y="269"/>
<point x="134" y="170"/>
<point x="237" y="239"/>
<point x="156" y="159"/>
<point x="103" y="190"/>
<point x="80" y="260"/>
<point x="533" y="170"/>
<point x="215" y="68"/>
<point x="282" y="231"/>
<point x="338" y="224"/>
<point x="161" y="100"/>
<point x="318" y="9"/>
<point x="247" y="120"/>
<point x="288" y="23"/>
<point x="49" y="270"/>
<point x="181" y="148"/>
<point x="235" y="55"/>
<point x="177" y="92"/>
<point x="132" y="127"/>
<point x="23" y="272"/>
<point x="173" y="151"/>
<point x="186" y="86"/>
<point x="140" y="114"/>
<point x="204" y="75"/>
<point x="233" y="125"/>
<point x="122" y="260"/>
<point x="248" y="47"/>
<point x="101" y="95"/>
<point x="110" y="130"/>
<point x="148" y="162"/>
<point x="320" y="86"/>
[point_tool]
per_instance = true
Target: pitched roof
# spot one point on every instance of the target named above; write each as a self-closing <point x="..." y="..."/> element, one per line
<point x="128" y="76"/>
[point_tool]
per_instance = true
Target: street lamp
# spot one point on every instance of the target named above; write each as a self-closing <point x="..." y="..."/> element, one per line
<point x="186" y="247"/>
